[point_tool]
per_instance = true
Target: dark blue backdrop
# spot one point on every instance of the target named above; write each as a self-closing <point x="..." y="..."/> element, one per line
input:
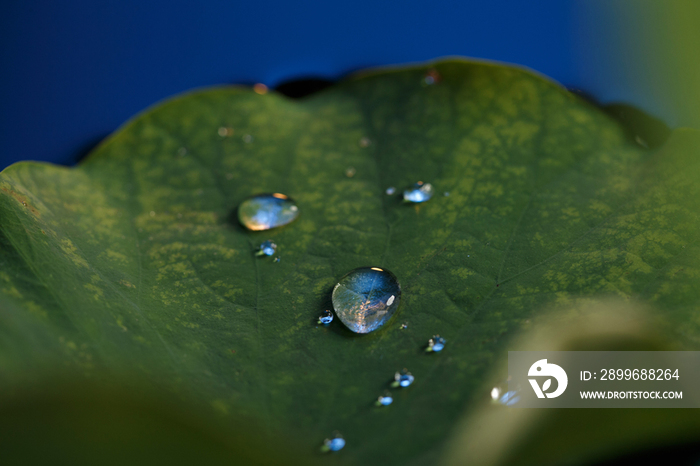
<point x="74" y="71"/>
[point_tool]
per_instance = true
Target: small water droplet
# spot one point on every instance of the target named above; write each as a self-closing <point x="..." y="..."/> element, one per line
<point x="418" y="192"/>
<point x="638" y="139"/>
<point x="446" y="194"/>
<point x="404" y="326"/>
<point x="152" y="214"/>
<point x="431" y="77"/>
<point x="182" y="151"/>
<point x="247" y="138"/>
<point x="390" y="190"/>
<point x="334" y="444"/>
<point x="435" y="344"/>
<point x="365" y="142"/>
<point x="277" y="259"/>
<point x="350" y="172"/>
<point x="366" y="298"/>
<point x="402" y="379"/>
<point x="266" y="211"/>
<point x="225" y="131"/>
<point x="267" y="248"/>
<point x="326" y="318"/>
<point x="501" y="394"/>
<point x="385" y="400"/>
<point x="260" y="88"/>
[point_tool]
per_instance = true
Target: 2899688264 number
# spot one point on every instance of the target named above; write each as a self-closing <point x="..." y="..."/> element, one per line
<point x="639" y="374"/>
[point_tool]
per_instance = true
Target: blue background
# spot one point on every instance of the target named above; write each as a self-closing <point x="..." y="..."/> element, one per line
<point x="72" y="72"/>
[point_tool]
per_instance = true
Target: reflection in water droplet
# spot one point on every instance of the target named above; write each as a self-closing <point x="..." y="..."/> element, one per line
<point x="365" y="142"/>
<point x="435" y="344"/>
<point x="326" y="318"/>
<point x="350" y="172"/>
<point x="390" y="190"/>
<point x="402" y="379"/>
<point x="266" y="211"/>
<point x="334" y="444"/>
<point x="260" y="88"/>
<point x="267" y="248"/>
<point x="366" y="298"/>
<point x="385" y="400"/>
<point x="419" y="192"/>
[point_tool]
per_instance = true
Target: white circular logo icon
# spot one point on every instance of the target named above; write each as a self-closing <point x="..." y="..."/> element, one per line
<point x="542" y="369"/>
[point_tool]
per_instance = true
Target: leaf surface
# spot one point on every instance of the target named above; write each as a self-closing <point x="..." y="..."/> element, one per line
<point x="132" y="264"/>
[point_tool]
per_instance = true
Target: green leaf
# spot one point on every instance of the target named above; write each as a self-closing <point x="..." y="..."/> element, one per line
<point x="132" y="265"/>
<point x="493" y="434"/>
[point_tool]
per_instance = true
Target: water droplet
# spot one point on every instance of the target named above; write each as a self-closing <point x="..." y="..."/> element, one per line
<point x="366" y="298"/>
<point x="419" y="192"/>
<point x="365" y="142"/>
<point x="446" y="194"/>
<point x="431" y="77"/>
<point x="334" y="444"/>
<point x="385" y="400"/>
<point x="267" y="248"/>
<point x="402" y="379"/>
<point x="504" y="396"/>
<point x="247" y="138"/>
<point x="260" y="88"/>
<point x="266" y="211"/>
<point x="277" y="259"/>
<point x="225" y="132"/>
<point x="326" y="318"/>
<point x="404" y="326"/>
<point x="350" y="172"/>
<point x="435" y="344"/>
<point x="638" y="139"/>
<point x="390" y="190"/>
<point x="182" y="151"/>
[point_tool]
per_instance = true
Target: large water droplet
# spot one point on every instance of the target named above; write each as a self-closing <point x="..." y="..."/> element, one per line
<point x="266" y="211"/>
<point x="366" y="298"/>
<point x="419" y="192"/>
